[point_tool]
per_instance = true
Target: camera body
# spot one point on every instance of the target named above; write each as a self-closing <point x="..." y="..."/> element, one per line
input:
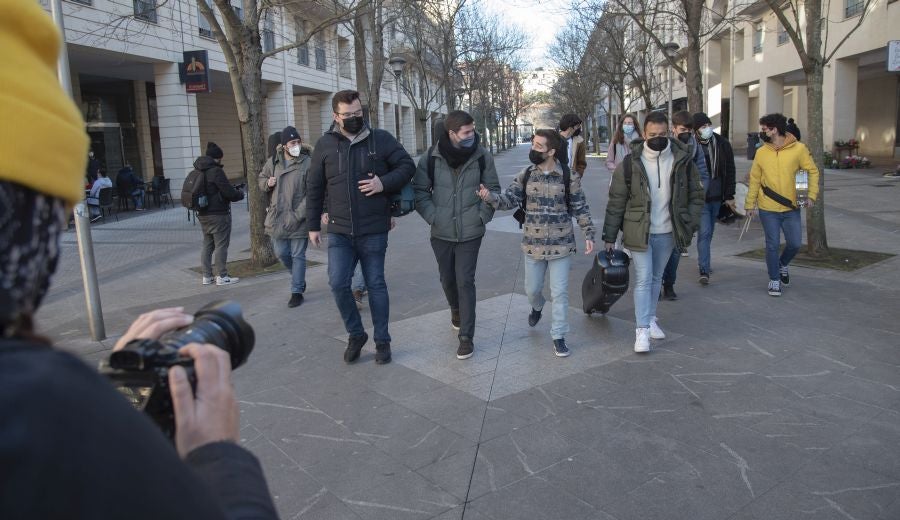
<point x="140" y="371"/>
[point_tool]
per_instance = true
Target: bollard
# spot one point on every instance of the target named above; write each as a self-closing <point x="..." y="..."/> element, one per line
<point x="89" y="272"/>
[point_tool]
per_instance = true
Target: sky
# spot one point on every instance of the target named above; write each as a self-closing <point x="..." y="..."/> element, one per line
<point x="540" y="20"/>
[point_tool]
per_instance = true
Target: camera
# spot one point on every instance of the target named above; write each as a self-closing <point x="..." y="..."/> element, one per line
<point x="240" y="186"/>
<point x="140" y="371"/>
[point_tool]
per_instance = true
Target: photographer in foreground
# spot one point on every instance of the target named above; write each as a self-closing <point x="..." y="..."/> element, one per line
<point x="71" y="447"/>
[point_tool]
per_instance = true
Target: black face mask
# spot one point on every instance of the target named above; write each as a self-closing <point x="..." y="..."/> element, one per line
<point x="576" y="133"/>
<point x="765" y="137"/>
<point x="536" y="157"/>
<point x="684" y="137"/>
<point x="658" y="143"/>
<point x="353" y="125"/>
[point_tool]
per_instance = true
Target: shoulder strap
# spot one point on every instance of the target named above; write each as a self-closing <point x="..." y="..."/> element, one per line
<point x="370" y="141"/>
<point x="628" y="172"/>
<point x="567" y="180"/>
<point x="481" y="164"/>
<point x="431" y="164"/>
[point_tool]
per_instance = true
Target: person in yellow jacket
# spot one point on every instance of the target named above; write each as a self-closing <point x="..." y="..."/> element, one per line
<point x="773" y="191"/>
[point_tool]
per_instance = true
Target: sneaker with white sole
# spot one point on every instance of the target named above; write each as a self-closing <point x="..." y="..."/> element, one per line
<point x="784" y="275"/>
<point x="226" y="280"/>
<point x="655" y="331"/>
<point x="207" y="280"/>
<point x="642" y="340"/>
<point x="774" y="288"/>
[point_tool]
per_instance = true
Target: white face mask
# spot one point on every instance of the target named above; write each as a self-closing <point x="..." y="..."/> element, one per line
<point x="294" y="151"/>
<point x="706" y="132"/>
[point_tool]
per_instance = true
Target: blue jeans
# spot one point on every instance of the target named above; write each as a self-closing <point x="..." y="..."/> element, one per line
<point x="704" y="236"/>
<point x="773" y="223"/>
<point x="358" y="283"/>
<point x="559" y="289"/>
<point x="344" y="251"/>
<point x="137" y="196"/>
<point x="292" y="253"/>
<point x="648" y="269"/>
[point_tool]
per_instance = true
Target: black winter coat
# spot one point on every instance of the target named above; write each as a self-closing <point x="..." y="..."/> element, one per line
<point x="337" y="167"/>
<point x="721" y="174"/>
<point x="219" y="190"/>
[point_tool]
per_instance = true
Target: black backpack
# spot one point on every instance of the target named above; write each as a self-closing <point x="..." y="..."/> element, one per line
<point x="194" y="192"/>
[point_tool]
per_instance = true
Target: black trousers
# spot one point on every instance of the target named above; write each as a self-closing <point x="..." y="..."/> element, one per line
<point x="456" y="265"/>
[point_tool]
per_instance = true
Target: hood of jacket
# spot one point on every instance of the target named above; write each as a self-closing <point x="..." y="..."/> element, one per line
<point x="205" y="162"/>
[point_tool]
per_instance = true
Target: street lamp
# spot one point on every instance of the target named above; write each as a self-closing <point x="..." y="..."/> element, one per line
<point x="670" y="50"/>
<point x="460" y="93"/>
<point x="397" y="63"/>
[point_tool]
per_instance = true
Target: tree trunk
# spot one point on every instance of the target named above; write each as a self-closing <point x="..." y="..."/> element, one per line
<point x="694" y="80"/>
<point x="815" y="216"/>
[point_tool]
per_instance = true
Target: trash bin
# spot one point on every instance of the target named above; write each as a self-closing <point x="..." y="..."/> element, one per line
<point x="752" y="141"/>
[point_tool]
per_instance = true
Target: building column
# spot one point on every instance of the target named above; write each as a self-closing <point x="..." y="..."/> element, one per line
<point x="771" y="96"/>
<point x="179" y="127"/>
<point x="142" y="129"/>
<point x="839" y="101"/>
<point x="740" y="117"/>
<point x="280" y="107"/>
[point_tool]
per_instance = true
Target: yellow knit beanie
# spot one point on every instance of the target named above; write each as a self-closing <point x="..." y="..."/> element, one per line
<point x="43" y="143"/>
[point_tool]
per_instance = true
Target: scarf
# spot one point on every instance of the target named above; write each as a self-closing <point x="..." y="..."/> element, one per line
<point x="454" y="156"/>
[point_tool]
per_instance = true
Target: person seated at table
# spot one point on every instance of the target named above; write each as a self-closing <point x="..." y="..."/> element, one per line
<point x="129" y="184"/>
<point x="93" y="199"/>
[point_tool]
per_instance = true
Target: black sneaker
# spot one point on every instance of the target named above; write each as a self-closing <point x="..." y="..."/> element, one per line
<point x="774" y="287"/>
<point x="704" y="278"/>
<point x="454" y="319"/>
<point x="559" y="345"/>
<point x="534" y="317"/>
<point x="296" y="300"/>
<point x="382" y="353"/>
<point x="466" y="348"/>
<point x="784" y="275"/>
<point x="354" y="345"/>
<point x="669" y="293"/>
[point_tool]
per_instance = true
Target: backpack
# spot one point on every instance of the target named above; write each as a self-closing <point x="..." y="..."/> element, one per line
<point x="519" y="215"/>
<point x="193" y="191"/>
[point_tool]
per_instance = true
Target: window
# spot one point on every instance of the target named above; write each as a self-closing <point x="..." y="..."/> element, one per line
<point x="268" y="32"/>
<point x="145" y="10"/>
<point x="758" y="31"/>
<point x="345" y="58"/>
<point x="739" y="45"/>
<point x="853" y="7"/>
<point x="303" y="50"/>
<point x="203" y="25"/>
<point x="782" y="34"/>
<point x="321" y="63"/>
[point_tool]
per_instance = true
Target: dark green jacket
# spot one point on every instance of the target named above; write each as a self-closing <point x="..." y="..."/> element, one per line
<point x="451" y="206"/>
<point x="629" y="211"/>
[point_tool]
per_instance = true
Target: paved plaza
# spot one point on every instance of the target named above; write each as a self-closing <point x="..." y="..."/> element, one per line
<point x="753" y="408"/>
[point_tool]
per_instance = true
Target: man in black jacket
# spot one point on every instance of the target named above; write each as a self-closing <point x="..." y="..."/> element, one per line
<point x="719" y="188"/>
<point x="215" y="218"/>
<point x="360" y="167"/>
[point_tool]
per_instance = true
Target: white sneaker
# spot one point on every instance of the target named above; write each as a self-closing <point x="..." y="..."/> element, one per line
<point x="655" y="331"/>
<point x="642" y="340"/>
<point x="207" y="280"/>
<point x="226" y="280"/>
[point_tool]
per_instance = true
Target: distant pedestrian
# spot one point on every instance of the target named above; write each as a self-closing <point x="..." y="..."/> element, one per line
<point x="548" y="242"/>
<point x="574" y="151"/>
<point x="683" y="130"/>
<point x="447" y="181"/>
<point x="655" y="200"/>
<point x="773" y="190"/>
<point x="719" y="159"/>
<point x="793" y="128"/>
<point x="93" y="199"/>
<point x="620" y="146"/>
<point x="130" y="185"/>
<point x="353" y="173"/>
<point x="284" y="179"/>
<point x="93" y="169"/>
<point x="215" y="218"/>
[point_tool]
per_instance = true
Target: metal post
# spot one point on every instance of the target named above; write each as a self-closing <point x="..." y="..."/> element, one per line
<point x="397" y="112"/>
<point x="669" y="81"/>
<point x="82" y="221"/>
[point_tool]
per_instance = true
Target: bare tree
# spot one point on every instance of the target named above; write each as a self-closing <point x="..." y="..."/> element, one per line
<point x="815" y="54"/>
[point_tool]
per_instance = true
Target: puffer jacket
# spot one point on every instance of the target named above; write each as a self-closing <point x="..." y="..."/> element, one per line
<point x="286" y="213"/>
<point x="775" y="168"/>
<point x="548" y="231"/>
<point x="219" y="190"/>
<point x="336" y="168"/>
<point x="451" y="206"/>
<point x="630" y="210"/>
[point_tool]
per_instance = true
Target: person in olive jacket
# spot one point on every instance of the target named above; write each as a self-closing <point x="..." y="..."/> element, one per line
<point x="448" y="201"/>
<point x="657" y="208"/>
<point x="283" y="178"/>
<point x="361" y="168"/>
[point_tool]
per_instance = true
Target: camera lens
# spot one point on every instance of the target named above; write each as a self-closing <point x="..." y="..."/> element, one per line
<point x="221" y="324"/>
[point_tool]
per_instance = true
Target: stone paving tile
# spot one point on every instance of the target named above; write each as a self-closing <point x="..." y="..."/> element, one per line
<point x="537" y="499"/>
<point x="403" y="496"/>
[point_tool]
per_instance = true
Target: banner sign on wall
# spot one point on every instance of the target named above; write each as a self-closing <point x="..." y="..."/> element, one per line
<point x="196" y="71"/>
<point x="894" y="56"/>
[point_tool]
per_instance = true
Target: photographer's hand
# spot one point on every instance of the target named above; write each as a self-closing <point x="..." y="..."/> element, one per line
<point x="212" y="414"/>
<point x="153" y="324"/>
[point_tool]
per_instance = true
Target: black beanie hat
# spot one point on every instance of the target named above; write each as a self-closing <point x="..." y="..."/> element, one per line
<point x="700" y="119"/>
<point x="289" y="134"/>
<point x="213" y="150"/>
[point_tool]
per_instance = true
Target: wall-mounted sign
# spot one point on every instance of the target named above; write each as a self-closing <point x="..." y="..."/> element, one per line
<point x="196" y="71"/>
<point x="894" y="56"/>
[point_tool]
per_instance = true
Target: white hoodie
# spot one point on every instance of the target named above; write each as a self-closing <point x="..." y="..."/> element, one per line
<point x="658" y="166"/>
